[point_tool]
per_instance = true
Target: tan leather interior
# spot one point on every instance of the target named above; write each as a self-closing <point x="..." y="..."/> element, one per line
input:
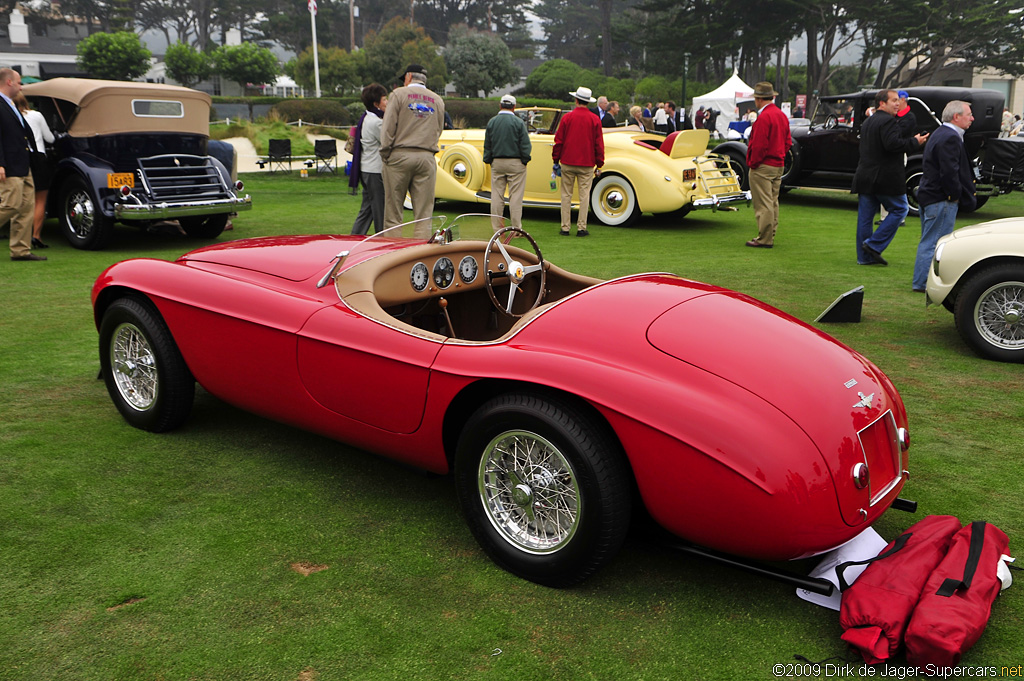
<point x="381" y="288"/>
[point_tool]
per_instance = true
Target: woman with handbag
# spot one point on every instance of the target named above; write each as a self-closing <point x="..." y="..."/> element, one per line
<point x="367" y="165"/>
<point x="42" y="171"/>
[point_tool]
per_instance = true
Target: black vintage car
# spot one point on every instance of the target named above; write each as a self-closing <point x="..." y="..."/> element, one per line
<point x="134" y="153"/>
<point x="825" y="151"/>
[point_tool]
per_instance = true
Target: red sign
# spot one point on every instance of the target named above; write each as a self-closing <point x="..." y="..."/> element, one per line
<point x="312" y="6"/>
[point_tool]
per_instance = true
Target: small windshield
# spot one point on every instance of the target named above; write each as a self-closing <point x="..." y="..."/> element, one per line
<point x="538" y="120"/>
<point x="437" y="229"/>
<point x="837" y="112"/>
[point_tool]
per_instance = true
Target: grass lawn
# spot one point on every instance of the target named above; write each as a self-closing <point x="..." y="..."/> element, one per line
<point x="238" y="548"/>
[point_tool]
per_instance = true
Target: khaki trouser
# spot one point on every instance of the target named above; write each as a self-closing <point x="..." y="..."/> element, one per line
<point x="510" y="172"/>
<point x="18" y="204"/>
<point x="765" y="184"/>
<point x="583" y="176"/>
<point x="411" y="171"/>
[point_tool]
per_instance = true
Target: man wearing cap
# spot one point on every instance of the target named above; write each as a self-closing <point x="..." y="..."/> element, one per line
<point x="507" y="150"/>
<point x="907" y="122"/>
<point x="413" y="121"/>
<point x="770" y="139"/>
<point x="579" y="152"/>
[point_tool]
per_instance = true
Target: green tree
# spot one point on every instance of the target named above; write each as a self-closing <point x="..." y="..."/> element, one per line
<point x="113" y="56"/>
<point x="340" y="71"/>
<point x="187" y="65"/>
<point x="398" y="44"/>
<point x="554" y="79"/>
<point x="246" y="63"/>
<point x="478" y="61"/>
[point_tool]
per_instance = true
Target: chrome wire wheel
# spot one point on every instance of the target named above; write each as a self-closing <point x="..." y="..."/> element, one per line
<point x="999" y="315"/>
<point x="529" y="491"/>
<point x="81" y="213"/>
<point x="134" y="367"/>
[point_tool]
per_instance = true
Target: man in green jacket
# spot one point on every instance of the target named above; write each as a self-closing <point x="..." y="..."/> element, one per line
<point x="507" y="150"/>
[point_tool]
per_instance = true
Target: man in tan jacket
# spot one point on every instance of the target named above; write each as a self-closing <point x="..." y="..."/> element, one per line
<point x="413" y="122"/>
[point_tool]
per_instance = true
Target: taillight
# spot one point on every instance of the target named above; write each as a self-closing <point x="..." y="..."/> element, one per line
<point x="125" y="190"/>
<point x="861" y="477"/>
<point x="239" y="185"/>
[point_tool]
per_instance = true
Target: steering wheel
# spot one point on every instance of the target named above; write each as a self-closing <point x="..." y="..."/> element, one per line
<point x="513" y="270"/>
<point x="831" y="122"/>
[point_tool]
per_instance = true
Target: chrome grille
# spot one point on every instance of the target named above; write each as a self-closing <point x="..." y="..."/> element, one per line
<point x="181" y="177"/>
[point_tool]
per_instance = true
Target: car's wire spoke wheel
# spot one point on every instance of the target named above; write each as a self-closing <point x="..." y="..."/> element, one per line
<point x="81" y="213"/>
<point x="989" y="312"/>
<point x="134" y="367"/>
<point x="999" y="315"/>
<point x="544" y="486"/>
<point x="84" y="225"/>
<point x="146" y="376"/>
<point x="529" y="491"/>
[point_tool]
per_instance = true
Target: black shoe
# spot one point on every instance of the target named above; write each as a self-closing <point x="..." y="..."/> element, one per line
<point x="582" y="232"/>
<point x="37" y="244"/>
<point x="873" y="254"/>
<point x="29" y="257"/>
<point x="564" y="232"/>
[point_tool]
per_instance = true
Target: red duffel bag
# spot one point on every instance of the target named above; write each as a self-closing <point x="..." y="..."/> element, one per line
<point x="876" y="609"/>
<point x="957" y="599"/>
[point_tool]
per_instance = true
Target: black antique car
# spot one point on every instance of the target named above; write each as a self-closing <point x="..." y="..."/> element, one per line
<point x="134" y="153"/>
<point x="825" y="153"/>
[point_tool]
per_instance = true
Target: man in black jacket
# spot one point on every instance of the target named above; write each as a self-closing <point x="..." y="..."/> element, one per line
<point x="881" y="178"/>
<point x="17" y="193"/>
<point x="946" y="184"/>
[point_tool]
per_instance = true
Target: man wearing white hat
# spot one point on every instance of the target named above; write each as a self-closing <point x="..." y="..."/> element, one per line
<point x="507" y="150"/>
<point x="579" y="151"/>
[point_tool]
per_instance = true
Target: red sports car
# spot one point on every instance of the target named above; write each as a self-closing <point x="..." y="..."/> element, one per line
<point x="558" y="400"/>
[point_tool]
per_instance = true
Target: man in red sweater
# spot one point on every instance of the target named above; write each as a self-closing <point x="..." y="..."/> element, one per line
<point x="766" y="153"/>
<point x="579" y="150"/>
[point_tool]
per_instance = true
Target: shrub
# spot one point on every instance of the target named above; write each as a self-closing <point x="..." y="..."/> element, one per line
<point x="319" y="111"/>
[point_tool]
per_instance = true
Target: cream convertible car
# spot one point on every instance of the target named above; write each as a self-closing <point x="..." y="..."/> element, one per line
<point x="978" y="275"/>
<point x="643" y="172"/>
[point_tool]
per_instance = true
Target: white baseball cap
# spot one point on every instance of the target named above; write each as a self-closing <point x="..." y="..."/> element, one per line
<point x="508" y="99"/>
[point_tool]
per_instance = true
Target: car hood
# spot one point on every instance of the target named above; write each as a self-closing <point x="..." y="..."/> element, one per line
<point x="294" y="258"/>
<point x="1006" y="226"/>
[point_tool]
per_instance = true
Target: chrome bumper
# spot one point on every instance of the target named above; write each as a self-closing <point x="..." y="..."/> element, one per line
<point x="718" y="201"/>
<point x="165" y="210"/>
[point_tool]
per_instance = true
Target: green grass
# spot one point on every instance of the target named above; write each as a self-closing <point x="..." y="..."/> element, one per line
<point x="127" y="555"/>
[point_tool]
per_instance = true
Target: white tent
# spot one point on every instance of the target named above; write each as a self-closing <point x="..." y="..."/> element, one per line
<point x="723" y="99"/>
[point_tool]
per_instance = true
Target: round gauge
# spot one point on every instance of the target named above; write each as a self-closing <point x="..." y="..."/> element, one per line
<point x="468" y="269"/>
<point x="444" y="272"/>
<point x="419" y="277"/>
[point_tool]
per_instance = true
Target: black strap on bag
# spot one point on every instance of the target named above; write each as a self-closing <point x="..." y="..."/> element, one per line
<point x="900" y="542"/>
<point x="951" y="586"/>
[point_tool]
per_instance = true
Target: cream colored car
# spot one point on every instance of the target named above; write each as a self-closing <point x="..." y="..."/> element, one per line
<point x="978" y="275"/>
<point x="643" y="172"/>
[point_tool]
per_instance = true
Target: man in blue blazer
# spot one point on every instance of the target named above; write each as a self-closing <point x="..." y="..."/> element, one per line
<point x="17" y="192"/>
<point x="947" y="184"/>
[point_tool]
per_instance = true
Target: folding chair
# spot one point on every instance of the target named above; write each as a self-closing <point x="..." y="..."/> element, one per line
<point x="326" y="152"/>
<point x="279" y="152"/>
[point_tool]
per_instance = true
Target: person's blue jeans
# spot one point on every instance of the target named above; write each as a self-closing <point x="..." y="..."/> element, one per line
<point x="936" y="222"/>
<point x="867" y="209"/>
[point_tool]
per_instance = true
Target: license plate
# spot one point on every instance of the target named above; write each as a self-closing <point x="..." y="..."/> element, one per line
<point x="118" y="180"/>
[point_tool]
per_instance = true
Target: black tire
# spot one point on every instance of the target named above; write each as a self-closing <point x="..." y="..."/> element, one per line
<point x="81" y="220"/>
<point x="204" y="226"/>
<point x="146" y="377"/>
<point x="738" y="163"/>
<point x="989" y="313"/>
<point x="914" y="173"/>
<point x="981" y="201"/>
<point x="569" y="515"/>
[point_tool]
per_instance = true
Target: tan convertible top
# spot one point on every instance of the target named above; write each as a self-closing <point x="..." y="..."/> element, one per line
<point x="109" y="106"/>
